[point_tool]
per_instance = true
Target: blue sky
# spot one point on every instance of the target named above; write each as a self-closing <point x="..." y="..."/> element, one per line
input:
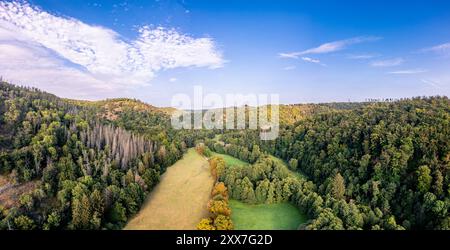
<point x="305" y="51"/>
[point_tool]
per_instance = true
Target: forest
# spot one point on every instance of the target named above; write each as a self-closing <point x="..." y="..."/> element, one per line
<point x="370" y="166"/>
<point x="381" y="165"/>
<point x="92" y="166"/>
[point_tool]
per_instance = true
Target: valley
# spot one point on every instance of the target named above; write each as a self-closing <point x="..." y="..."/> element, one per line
<point x="179" y="201"/>
<point x="118" y="163"/>
<point x="188" y="184"/>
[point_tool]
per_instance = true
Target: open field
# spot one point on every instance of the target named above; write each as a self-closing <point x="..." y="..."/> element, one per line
<point x="230" y="160"/>
<point x="281" y="216"/>
<point x="264" y="216"/>
<point x="179" y="200"/>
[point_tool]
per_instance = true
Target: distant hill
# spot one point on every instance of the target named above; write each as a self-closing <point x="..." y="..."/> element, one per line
<point x="112" y="107"/>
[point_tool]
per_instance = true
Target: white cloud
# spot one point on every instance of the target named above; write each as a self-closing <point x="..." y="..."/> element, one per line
<point x="81" y="51"/>
<point x="408" y="71"/>
<point x="34" y="66"/>
<point x="362" y="56"/>
<point x="388" y="63"/>
<point x="308" y="59"/>
<point x="311" y="60"/>
<point x="442" y="49"/>
<point x="173" y="79"/>
<point x="329" y="47"/>
<point x="289" y="68"/>
<point x="293" y="55"/>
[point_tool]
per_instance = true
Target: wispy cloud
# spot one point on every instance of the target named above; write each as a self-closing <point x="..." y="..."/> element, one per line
<point x="293" y="55"/>
<point x="289" y="68"/>
<point x="408" y="71"/>
<point x="173" y="79"/>
<point x="388" y="63"/>
<point x="84" y="51"/>
<point x="362" y="56"/>
<point x="441" y="49"/>
<point x="329" y="47"/>
<point x="311" y="60"/>
<point x="432" y="83"/>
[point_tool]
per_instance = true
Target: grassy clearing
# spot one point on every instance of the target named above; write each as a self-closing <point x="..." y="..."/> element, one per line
<point x="281" y="216"/>
<point x="179" y="201"/>
<point x="230" y="160"/>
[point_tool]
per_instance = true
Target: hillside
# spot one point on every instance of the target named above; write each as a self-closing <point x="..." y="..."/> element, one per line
<point x="91" y="173"/>
<point x="112" y="107"/>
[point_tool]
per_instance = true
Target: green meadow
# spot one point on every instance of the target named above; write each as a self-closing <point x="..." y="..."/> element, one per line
<point x="230" y="160"/>
<point x="281" y="216"/>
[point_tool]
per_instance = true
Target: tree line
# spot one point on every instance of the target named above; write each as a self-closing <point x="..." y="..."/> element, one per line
<point x="218" y="206"/>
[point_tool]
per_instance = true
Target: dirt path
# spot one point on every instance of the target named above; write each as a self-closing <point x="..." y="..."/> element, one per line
<point x="179" y="200"/>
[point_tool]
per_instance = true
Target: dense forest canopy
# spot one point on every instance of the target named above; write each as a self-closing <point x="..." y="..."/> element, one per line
<point x="381" y="165"/>
<point x="372" y="165"/>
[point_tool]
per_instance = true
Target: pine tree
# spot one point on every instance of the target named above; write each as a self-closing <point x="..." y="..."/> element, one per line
<point x="293" y="164"/>
<point x="271" y="194"/>
<point x="338" y="187"/>
<point x="97" y="202"/>
<point x="423" y="179"/>
<point x="438" y="183"/>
